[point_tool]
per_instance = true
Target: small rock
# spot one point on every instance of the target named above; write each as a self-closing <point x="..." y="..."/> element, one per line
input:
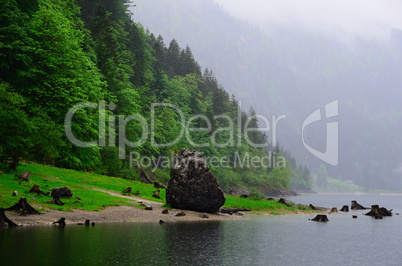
<point x="165" y="211"/>
<point x="354" y="216"/>
<point x="204" y="215"/>
<point x="161" y="222"/>
<point x="15" y="194"/>
<point x="93" y="223"/>
<point x="397" y="213"/>
<point x="148" y="208"/>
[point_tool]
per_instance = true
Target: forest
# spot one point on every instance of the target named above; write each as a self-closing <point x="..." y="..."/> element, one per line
<point x="58" y="54"/>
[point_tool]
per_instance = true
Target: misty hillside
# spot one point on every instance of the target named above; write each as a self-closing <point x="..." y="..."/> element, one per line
<point x="292" y="71"/>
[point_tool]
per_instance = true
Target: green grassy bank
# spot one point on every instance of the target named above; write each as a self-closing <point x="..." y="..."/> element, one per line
<point x="84" y="185"/>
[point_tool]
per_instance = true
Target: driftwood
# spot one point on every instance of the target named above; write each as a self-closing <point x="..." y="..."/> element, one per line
<point x="376" y="211"/>
<point x="156" y="194"/>
<point x="56" y="200"/>
<point x="23" y="204"/>
<point x="24" y="176"/>
<point x="233" y="210"/>
<point x="320" y="218"/>
<point x="37" y="190"/>
<point x="286" y="202"/>
<point x="4" y="220"/>
<point x="345" y="208"/>
<point x="159" y="185"/>
<point x="357" y="206"/>
<point x="61" y="222"/>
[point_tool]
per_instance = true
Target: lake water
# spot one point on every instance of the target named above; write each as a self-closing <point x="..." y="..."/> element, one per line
<point x="260" y="240"/>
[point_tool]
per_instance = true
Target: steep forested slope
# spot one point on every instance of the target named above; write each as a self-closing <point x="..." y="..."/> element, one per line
<point x="84" y="87"/>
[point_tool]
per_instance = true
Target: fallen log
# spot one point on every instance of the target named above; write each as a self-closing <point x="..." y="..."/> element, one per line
<point x="320" y="218"/>
<point x="4" y="220"/>
<point x="357" y="206"/>
<point x="24" y="176"/>
<point x="23" y="204"/>
<point x="345" y="208"/>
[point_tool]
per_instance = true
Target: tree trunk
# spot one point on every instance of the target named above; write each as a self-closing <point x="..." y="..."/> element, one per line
<point x="345" y="208"/>
<point x="23" y="204"/>
<point x="4" y="220"/>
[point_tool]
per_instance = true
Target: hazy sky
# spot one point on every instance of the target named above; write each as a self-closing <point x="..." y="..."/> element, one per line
<point x="342" y="18"/>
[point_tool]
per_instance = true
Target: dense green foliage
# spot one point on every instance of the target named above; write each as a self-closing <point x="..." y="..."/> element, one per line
<point x="56" y="54"/>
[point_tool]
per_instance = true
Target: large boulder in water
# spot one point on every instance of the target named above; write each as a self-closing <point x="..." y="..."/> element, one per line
<point x="192" y="185"/>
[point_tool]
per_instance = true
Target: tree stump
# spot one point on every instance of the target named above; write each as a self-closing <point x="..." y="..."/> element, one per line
<point x="376" y="211"/>
<point x="159" y="185"/>
<point x="61" y="222"/>
<point x="320" y="218"/>
<point x="156" y="194"/>
<point x="24" y="176"/>
<point x="4" y="220"/>
<point x="23" y="204"/>
<point x="357" y="206"/>
<point x="127" y="190"/>
<point x="144" y="178"/>
<point x="56" y="200"/>
<point x="334" y="210"/>
<point x="345" y="208"/>
<point x="37" y="190"/>
<point x="284" y="201"/>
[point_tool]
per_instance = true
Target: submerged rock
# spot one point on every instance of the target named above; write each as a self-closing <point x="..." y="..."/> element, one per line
<point x="193" y="186"/>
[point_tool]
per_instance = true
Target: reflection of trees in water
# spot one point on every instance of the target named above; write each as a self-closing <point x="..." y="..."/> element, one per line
<point x="197" y="243"/>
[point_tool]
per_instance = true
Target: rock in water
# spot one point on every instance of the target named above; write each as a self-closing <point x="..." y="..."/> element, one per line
<point x="192" y="185"/>
<point x="62" y="192"/>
